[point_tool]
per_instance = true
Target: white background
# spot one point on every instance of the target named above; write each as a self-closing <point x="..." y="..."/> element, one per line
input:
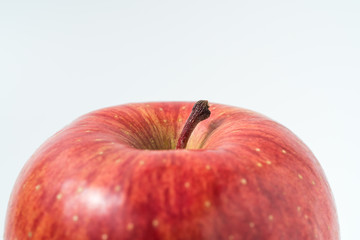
<point x="297" y="62"/>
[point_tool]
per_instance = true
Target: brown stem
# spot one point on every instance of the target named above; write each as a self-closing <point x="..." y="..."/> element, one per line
<point x="199" y="112"/>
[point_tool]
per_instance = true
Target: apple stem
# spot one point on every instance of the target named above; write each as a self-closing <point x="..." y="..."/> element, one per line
<point x="199" y="113"/>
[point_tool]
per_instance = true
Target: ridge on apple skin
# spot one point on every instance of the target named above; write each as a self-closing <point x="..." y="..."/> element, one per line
<point x="115" y="174"/>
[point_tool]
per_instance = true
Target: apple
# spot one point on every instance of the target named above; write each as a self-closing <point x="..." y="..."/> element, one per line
<point x="149" y="171"/>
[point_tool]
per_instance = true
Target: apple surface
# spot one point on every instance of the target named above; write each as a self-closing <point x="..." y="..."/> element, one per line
<point x="116" y="173"/>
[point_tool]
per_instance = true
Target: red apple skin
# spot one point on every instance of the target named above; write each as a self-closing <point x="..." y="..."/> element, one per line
<point x="243" y="176"/>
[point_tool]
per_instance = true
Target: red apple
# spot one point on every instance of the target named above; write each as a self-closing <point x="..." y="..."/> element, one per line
<point x="115" y="174"/>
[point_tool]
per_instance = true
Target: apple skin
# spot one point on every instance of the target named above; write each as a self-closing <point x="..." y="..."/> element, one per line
<point x="110" y="175"/>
